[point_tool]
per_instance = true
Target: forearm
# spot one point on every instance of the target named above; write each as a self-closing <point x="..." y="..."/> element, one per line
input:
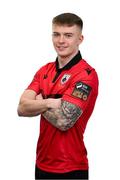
<point x="31" y="108"/>
<point x="63" y="117"/>
<point x="52" y="116"/>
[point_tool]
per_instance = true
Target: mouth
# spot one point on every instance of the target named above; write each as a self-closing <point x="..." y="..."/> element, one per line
<point x="61" y="48"/>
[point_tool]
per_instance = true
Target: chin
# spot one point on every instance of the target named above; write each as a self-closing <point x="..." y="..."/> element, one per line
<point x="63" y="54"/>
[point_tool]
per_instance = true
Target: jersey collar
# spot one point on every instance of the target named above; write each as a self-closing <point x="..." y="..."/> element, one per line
<point x="70" y="64"/>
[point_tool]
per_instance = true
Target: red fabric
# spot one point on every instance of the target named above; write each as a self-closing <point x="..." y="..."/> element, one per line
<point x="64" y="151"/>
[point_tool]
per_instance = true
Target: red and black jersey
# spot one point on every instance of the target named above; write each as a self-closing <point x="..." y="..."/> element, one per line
<point x="77" y="82"/>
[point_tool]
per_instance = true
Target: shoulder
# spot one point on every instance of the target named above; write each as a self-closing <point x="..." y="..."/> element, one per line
<point x="86" y="73"/>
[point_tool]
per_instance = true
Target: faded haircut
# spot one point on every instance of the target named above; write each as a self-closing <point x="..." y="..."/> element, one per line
<point x="68" y="19"/>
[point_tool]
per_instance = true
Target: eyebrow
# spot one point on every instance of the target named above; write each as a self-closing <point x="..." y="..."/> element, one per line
<point x="66" y="33"/>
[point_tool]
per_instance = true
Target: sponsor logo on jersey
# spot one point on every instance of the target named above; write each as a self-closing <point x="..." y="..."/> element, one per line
<point x="81" y="91"/>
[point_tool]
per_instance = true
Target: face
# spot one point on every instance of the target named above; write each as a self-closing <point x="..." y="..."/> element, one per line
<point x="66" y="40"/>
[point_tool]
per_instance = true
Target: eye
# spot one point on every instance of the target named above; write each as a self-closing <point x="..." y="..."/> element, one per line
<point x="55" y="34"/>
<point x="68" y="35"/>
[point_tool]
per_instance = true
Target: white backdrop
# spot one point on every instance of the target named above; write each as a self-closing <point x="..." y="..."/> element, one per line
<point x="25" y="45"/>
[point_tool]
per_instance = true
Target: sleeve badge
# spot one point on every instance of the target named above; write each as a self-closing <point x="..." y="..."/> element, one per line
<point x="81" y="91"/>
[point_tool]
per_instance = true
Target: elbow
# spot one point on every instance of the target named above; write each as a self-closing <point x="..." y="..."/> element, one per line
<point x="20" y="111"/>
<point x="19" y="114"/>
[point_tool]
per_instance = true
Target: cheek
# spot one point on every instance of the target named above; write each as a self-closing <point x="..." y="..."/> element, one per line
<point x="77" y="42"/>
<point x="54" y="41"/>
<point x="74" y="42"/>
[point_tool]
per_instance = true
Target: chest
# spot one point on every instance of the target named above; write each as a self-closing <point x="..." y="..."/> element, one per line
<point x="55" y="83"/>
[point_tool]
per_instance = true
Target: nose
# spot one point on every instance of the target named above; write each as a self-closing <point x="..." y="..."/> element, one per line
<point x="61" y="39"/>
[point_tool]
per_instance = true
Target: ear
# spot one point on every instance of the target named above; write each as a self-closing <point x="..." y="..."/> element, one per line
<point x="81" y="38"/>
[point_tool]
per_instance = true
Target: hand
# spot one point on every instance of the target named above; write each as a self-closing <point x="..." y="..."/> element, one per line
<point x="39" y="97"/>
<point x="53" y="103"/>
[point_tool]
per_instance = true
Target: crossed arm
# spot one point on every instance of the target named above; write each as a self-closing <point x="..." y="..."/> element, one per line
<point x="63" y="117"/>
<point x="60" y="113"/>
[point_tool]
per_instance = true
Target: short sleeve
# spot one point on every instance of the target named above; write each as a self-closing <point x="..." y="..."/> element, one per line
<point x="35" y="84"/>
<point x="82" y="91"/>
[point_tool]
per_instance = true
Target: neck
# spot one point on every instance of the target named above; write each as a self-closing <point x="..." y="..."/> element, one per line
<point x="64" y="60"/>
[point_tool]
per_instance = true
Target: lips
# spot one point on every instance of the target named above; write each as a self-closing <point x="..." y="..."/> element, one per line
<point x="61" y="48"/>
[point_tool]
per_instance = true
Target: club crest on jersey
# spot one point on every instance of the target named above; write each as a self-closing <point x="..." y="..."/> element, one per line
<point x="65" y="78"/>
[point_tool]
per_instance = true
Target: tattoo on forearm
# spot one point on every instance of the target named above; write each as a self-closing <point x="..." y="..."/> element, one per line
<point x="63" y="117"/>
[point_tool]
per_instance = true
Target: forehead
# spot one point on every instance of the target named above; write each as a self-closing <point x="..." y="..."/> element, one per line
<point x="65" y="28"/>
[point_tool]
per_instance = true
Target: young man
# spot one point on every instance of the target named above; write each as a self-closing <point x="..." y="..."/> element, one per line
<point x="64" y="93"/>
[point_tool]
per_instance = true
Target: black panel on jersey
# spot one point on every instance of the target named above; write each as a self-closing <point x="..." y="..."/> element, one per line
<point x="70" y="64"/>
